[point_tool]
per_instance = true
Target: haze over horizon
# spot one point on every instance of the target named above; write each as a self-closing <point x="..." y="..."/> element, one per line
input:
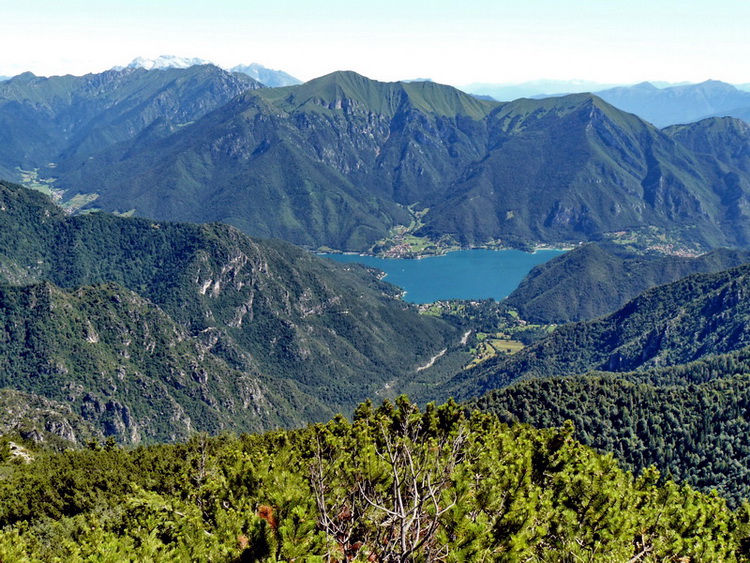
<point x="454" y="43"/>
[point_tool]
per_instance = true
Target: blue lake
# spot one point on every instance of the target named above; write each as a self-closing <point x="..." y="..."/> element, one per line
<point x="463" y="274"/>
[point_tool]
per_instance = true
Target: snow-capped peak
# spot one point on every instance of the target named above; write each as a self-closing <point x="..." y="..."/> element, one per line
<point x="166" y="61"/>
<point x="257" y="71"/>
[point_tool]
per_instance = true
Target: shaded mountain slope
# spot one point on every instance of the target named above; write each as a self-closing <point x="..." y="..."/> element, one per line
<point x="727" y="139"/>
<point x="269" y="77"/>
<point x="575" y="168"/>
<point x="597" y="279"/>
<point x="247" y="172"/>
<point x="316" y="164"/>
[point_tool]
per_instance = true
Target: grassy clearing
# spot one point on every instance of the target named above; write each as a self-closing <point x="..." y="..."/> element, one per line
<point x="490" y="345"/>
<point x="78" y="201"/>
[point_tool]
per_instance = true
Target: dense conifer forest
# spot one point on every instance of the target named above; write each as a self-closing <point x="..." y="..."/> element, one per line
<point x="693" y="432"/>
<point x="394" y="484"/>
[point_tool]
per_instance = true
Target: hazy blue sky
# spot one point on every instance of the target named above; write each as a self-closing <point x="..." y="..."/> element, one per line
<point x="454" y="42"/>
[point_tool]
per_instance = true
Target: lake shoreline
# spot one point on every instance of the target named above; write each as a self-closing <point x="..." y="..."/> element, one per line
<point x="559" y="247"/>
<point x="473" y="274"/>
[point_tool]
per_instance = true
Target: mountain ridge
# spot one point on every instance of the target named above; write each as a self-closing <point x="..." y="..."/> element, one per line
<point x="59" y="119"/>
<point x="478" y="172"/>
<point x="346" y="162"/>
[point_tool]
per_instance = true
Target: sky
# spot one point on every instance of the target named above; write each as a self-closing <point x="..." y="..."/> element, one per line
<point x="449" y="41"/>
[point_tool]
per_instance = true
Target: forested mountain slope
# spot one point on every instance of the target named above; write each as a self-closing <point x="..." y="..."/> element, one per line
<point x="121" y="364"/>
<point x="598" y="278"/>
<point x="334" y="333"/>
<point x="725" y="139"/>
<point x="688" y="421"/>
<point x="679" y="398"/>
<point x="673" y="324"/>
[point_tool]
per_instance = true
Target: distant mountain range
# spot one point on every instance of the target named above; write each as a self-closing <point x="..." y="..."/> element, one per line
<point x="69" y="118"/>
<point x="680" y="104"/>
<point x="661" y="104"/>
<point x="341" y="161"/>
<point x="534" y="88"/>
<point x="266" y="76"/>
<point x="164" y="62"/>
<point x="544" y="88"/>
